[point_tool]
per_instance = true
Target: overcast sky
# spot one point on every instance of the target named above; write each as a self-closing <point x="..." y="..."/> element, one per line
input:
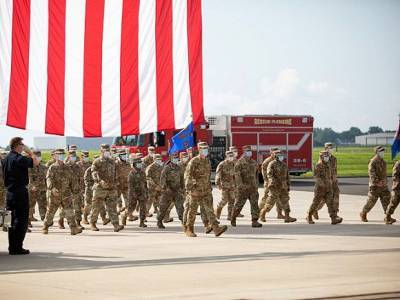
<point x="338" y="61"/>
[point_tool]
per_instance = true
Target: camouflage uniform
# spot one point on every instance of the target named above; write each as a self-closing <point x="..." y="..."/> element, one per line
<point x="76" y="192"/>
<point x="377" y="185"/>
<point x="153" y="174"/>
<point x="147" y="161"/>
<point x="37" y="190"/>
<point x="2" y="187"/>
<point x="59" y="181"/>
<point x="198" y="186"/>
<point x="172" y="184"/>
<point x="123" y="169"/>
<point x="323" y="189"/>
<point x="394" y="201"/>
<point x="279" y="185"/>
<point x="137" y="191"/>
<point x="246" y="177"/>
<point x="225" y="181"/>
<point x="105" y="189"/>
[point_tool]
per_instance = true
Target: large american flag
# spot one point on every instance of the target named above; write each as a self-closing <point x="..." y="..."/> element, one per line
<point x="100" y="67"/>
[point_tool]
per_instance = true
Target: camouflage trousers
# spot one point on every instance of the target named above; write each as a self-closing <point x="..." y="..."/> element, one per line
<point x="203" y="214"/>
<point x="153" y="199"/>
<point x="38" y="197"/>
<point x="122" y="198"/>
<point x="139" y="202"/>
<point x="108" y="198"/>
<point x="77" y="205"/>
<point x="2" y="198"/>
<point x="88" y="197"/>
<point x="336" y="193"/>
<point x="263" y="202"/>
<point x="56" y="202"/>
<point x="205" y="203"/>
<point x="374" y="193"/>
<point x="242" y="196"/>
<point x="279" y="196"/>
<point x="227" y="197"/>
<point x="394" y="202"/>
<point x="169" y="197"/>
<point x="323" y="195"/>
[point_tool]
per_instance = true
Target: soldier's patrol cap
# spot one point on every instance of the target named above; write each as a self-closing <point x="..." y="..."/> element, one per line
<point x="246" y="148"/>
<point x="151" y="148"/>
<point x="113" y="150"/>
<point x="105" y="147"/>
<point x="379" y="149"/>
<point x="95" y="156"/>
<point x="175" y="154"/>
<point x="202" y="144"/>
<point x="138" y="155"/>
<point x="189" y="149"/>
<point x="73" y="147"/>
<point x="328" y="145"/>
<point x="36" y="152"/>
<point x="157" y="156"/>
<point x="232" y="148"/>
<point x="85" y="153"/>
<point x="272" y="149"/>
<point x="183" y="154"/>
<point x="59" y="151"/>
<point x="324" y="153"/>
<point x="229" y="153"/>
<point x="72" y="152"/>
<point x="277" y="151"/>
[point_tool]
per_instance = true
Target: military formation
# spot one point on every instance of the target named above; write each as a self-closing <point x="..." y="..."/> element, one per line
<point x="118" y="184"/>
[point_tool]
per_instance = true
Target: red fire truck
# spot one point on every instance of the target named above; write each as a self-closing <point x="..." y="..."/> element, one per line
<point x="291" y="134"/>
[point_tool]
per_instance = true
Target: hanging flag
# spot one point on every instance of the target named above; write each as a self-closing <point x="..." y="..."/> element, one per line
<point x="183" y="140"/>
<point x="96" y="68"/>
<point x="396" y="142"/>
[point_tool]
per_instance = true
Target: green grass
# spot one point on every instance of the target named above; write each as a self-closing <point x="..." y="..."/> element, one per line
<point x="353" y="161"/>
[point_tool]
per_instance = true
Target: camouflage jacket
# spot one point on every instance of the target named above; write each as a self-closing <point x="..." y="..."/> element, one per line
<point x="183" y="166"/>
<point x="50" y="162"/>
<point x="264" y="168"/>
<point x="104" y="170"/>
<point x="278" y="175"/>
<point x="2" y="187"/>
<point x="153" y="175"/>
<point x="197" y="176"/>
<point x="37" y="177"/>
<point x="60" y="177"/>
<point x="377" y="171"/>
<point x="87" y="178"/>
<point x="333" y="167"/>
<point x="396" y="176"/>
<point x="122" y="168"/>
<point x="171" y="177"/>
<point x="76" y="178"/>
<point x="82" y="169"/>
<point x="147" y="161"/>
<point x="136" y="184"/>
<point x="225" y="175"/>
<point x="323" y="175"/>
<point x="246" y="174"/>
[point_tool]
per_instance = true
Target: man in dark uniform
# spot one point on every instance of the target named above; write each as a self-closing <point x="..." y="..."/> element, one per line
<point x="16" y="179"/>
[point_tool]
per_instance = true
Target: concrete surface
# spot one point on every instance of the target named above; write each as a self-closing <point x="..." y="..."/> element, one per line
<point x="353" y="260"/>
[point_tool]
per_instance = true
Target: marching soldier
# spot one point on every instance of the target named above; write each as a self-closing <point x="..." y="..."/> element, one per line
<point x="123" y="168"/>
<point x="153" y="175"/>
<point x="246" y="178"/>
<point x="323" y="190"/>
<point x="225" y="181"/>
<point x="198" y="187"/>
<point x="378" y="187"/>
<point x="105" y="188"/>
<point x="394" y="201"/>
<point x="37" y="188"/>
<point x="263" y="201"/>
<point x="279" y="185"/>
<point x="59" y="181"/>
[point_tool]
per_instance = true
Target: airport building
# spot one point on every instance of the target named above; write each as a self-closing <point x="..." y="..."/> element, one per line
<point x="375" y="139"/>
<point x="58" y="142"/>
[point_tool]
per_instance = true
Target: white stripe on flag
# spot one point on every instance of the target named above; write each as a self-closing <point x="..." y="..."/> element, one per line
<point x="147" y="67"/>
<point x="37" y="73"/>
<point x="110" y="98"/>
<point x="182" y="102"/>
<point x="74" y="51"/>
<point x="6" y="8"/>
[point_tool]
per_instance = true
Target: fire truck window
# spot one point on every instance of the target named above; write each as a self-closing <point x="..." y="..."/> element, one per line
<point x="160" y="139"/>
<point x="141" y="140"/>
<point x="151" y="139"/>
<point x="195" y="137"/>
<point x="119" y="141"/>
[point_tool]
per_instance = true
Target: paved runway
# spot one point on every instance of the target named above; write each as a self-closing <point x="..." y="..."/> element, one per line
<point x="278" y="261"/>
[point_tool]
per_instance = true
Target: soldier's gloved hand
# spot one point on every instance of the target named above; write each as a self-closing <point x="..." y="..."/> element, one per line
<point x="55" y="192"/>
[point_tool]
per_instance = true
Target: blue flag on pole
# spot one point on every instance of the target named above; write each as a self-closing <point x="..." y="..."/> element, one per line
<point x="396" y="143"/>
<point x="183" y="139"/>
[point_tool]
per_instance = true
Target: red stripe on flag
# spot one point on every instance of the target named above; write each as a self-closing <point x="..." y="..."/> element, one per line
<point x="129" y="103"/>
<point x="18" y="101"/>
<point x="164" y="68"/>
<point x="195" y="47"/>
<point x="56" y="68"/>
<point x="92" y="68"/>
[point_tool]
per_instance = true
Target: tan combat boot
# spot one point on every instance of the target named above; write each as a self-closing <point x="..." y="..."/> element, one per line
<point x="289" y="219"/>
<point x="78" y="223"/>
<point x="336" y="220"/>
<point x="142" y="224"/>
<point x="263" y="212"/>
<point x="33" y="219"/>
<point x="61" y="223"/>
<point x="190" y="231"/>
<point x="123" y="219"/>
<point x="389" y="220"/>
<point x="132" y="218"/>
<point x="315" y="215"/>
<point x="168" y="220"/>
<point x="45" y="229"/>
<point x="85" y="219"/>
<point x="75" y="230"/>
<point x="93" y="227"/>
<point x="309" y="218"/>
<point x="160" y="224"/>
<point x="280" y="214"/>
<point x="118" y="227"/>
<point x="218" y="230"/>
<point x="255" y="223"/>
<point x="218" y="211"/>
<point x="363" y="216"/>
<point x="184" y="227"/>
<point x="106" y="221"/>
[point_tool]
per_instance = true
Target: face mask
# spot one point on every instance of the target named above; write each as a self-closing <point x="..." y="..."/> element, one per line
<point x="381" y="154"/>
<point x="249" y="154"/>
<point x="123" y="157"/>
<point x="72" y="158"/>
<point x="86" y="159"/>
<point x="61" y="157"/>
<point x="138" y="165"/>
<point x="326" y="158"/>
<point x="281" y="157"/>
<point x="235" y="154"/>
<point x="175" y="160"/>
<point x="159" y="162"/>
<point x="230" y="158"/>
<point x="185" y="159"/>
<point x="106" y="154"/>
<point x="152" y="154"/>
<point x="204" y="152"/>
<point x="39" y="158"/>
